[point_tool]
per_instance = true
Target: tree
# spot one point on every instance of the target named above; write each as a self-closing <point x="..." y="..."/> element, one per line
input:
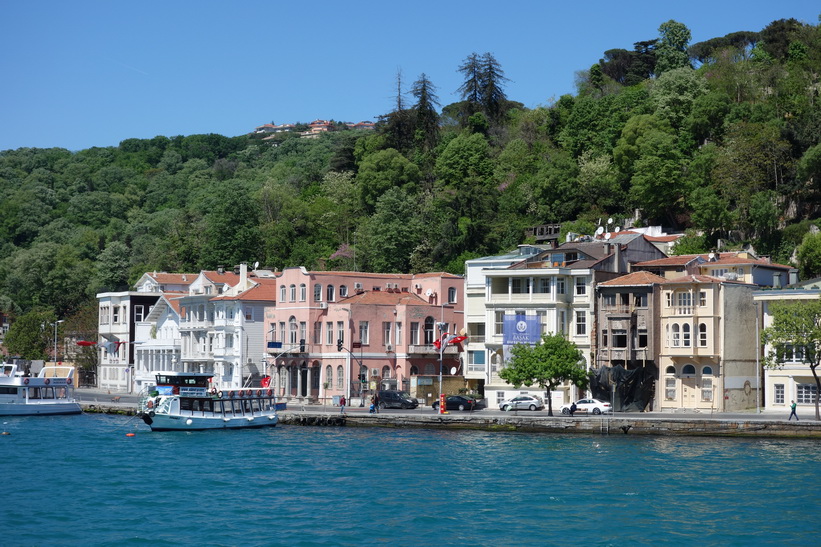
<point x="30" y="335"/>
<point x="671" y="51"/>
<point x="551" y="362"/>
<point x="427" y="120"/>
<point x="809" y="256"/>
<point x="795" y="323"/>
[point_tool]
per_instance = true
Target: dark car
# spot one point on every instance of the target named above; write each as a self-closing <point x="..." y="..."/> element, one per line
<point x="391" y="398"/>
<point x="457" y="402"/>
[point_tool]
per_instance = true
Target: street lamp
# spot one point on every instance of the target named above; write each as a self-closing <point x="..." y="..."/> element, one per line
<point x="55" y="339"/>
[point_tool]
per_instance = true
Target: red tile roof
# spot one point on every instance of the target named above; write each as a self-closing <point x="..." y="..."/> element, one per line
<point x="635" y="278"/>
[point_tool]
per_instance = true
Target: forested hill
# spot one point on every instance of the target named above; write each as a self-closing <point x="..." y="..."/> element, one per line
<point x="720" y="138"/>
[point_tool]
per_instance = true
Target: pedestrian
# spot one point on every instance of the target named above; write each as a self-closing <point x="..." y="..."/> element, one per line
<point x="342" y="405"/>
<point x="376" y="402"/>
<point x="792" y="411"/>
<point x="573" y="408"/>
<point x="372" y="409"/>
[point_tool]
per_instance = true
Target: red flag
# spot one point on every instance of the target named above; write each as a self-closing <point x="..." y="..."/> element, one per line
<point x="457" y="339"/>
<point x="265" y="382"/>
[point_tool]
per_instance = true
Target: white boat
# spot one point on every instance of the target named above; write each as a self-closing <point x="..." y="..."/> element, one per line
<point x="184" y="401"/>
<point x="50" y="392"/>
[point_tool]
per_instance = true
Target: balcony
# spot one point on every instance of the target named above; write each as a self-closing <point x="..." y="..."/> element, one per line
<point x="430" y="349"/>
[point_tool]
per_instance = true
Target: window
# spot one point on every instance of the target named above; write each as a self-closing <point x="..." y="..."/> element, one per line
<point x="520" y="285"/>
<point x="792" y="354"/>
<point x="329" y="376"/>
<point x="640" y="300"/>
<point x="702" y="298"/>
<point x="363" y="332"/>
<point x="805" y="394"/>
<point x="398" y="333"/>
<point x="292" y="338"/>
<point x="684" y="303"/>
<point x="282" y="331"/>
<point x="685" y="335"/>
<point x="282" y="293"/>
<point x="707" y="371"/>
<point x="541" y="316"/>
<point x="330" y="293"/>
<point x="543" y="285"/>
<point x="718" y="272"/>
<point x="249" y="313"/>
<point x="499" y="322"/>
<point x="688" y="370"/>
<point x="608" y="301"/>
<point x="343" y="291"/>
<point x="706" y="389"/>
<point x="340" y="331"/>
<point x="476" y="361"/>
<point x="604" y="338"/>
<point x="115" y="315"/>
<point x="303" y="292"/>
<point x="642" y="338"/>
<point x="676" y="342"/>
<point x="317" y="293"/>
<point x="104" y="315"/>
<point x="559" y="285"/>
<point x="702" y="335"/>
<point x="329" y="333"/>
<point x="414" y="334"/>
<point x="562" y="322"/>
<point x="139" y="313"/>
<point x="779" y="394"/>
<point x="293" y="293"/>
<point x="581" y="286"/>
<point x="318" y="332"/>
<point x="386" y="333"/>
<point x="339" y="381"/>
<point x="581" y="323"/>
<point x="429" y="334"/>
<point x="619" y="338"/>
<point x="430" y="369"/>
<point x="670" y="389"/>
<point x="452" y="295"/>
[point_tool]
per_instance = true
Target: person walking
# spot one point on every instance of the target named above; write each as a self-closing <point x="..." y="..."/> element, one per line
<point x="376" y="402"/>
<point x="342" y="405"/>
<point x="792" y="411"/>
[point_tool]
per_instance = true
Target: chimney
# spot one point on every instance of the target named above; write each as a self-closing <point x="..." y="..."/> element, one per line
<point x="220" y="269"/>
<point x="243" y="275"/>
<point x="619" y="269"/>
<point x="777" y="281"/>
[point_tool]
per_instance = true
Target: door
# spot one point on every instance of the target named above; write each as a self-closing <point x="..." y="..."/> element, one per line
<point x="689" y="393"/>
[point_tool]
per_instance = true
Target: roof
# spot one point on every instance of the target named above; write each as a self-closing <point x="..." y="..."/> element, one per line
<point x="697" y="278"/>
<point x="721" y="259"/>
<point x="634" y="279"/>
<point x="265" y="290"/>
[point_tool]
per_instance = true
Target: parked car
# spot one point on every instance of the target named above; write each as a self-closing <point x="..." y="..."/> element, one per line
<point x="457" y="402"/>
<point x="391" y="398"/>
<point x="523" y="402"/>
<point x="591" y="406"/>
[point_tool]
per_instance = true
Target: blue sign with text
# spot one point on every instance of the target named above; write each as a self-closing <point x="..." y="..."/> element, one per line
<point x="521" y="329"/>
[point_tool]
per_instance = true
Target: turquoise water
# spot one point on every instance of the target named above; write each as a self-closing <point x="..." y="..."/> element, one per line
<point x="79" y="480"/>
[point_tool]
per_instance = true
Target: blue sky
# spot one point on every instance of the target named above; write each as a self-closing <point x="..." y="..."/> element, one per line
<point x="91" y="73"/>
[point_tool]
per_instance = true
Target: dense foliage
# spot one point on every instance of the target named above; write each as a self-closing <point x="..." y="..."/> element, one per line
<point x="720" y="138"/>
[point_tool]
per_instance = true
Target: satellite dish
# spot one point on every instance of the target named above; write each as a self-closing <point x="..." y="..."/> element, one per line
<point x="452" y="370"/>
<point x="610" y="220"/>
<point x="462" y="331"/>
<point x="429" y="293"/>
<point x="599" y="230"/>
<point x="607" y="235"/>
<point x="256" y="265"/>
<point x="618" y="229"/>
<point x="711" y="256"/>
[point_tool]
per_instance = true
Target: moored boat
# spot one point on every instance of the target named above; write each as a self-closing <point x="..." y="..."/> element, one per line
<point x="184" y="401"/>
<point x="50" y="392"/>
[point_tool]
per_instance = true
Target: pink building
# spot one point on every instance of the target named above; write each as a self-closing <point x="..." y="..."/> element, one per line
<point x="385" y="324"/>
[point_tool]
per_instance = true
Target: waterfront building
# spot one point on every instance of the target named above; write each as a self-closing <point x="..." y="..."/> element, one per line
<point x="157" y="339"/>
<point x="547" y="289"/>
<point x="792" y="379"/>
<point x="708" y="351"/>
<point x="351" y="333"/>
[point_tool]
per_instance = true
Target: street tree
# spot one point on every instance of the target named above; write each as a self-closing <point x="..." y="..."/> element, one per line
<point x="30" y="335"/>
<point x="796" y="324"/>
<point x="553" y="361"/>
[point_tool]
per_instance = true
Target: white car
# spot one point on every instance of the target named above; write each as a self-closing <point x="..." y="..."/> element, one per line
<point x="589" y="406"/>
<point x="523" y="402"/>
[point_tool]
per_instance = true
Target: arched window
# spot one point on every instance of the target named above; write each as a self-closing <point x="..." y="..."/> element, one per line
<point x="702" y="335"/>
<point x="339" y="384"/>
<point x="317" y="292"/>
<point x="429" y="330"/>
<point x="707" y="371"/>
<point x="283" y="295"/>
<point x="452" y="295"/>
<point x="670" y="370"/>
<point x="685" y="335"/>
<point x="293" y="293"/>
<point x="303" y="292"/>
<point x="414" y="371"/>
<point x="330" y="295"/>
<point x="676" y="336"/>
<point x="430" y="370"/>
<point x="329" y="376"/>
<point x="386" y="372"/>
<point x="688" y="370"/>
<point x="292" y="327"/>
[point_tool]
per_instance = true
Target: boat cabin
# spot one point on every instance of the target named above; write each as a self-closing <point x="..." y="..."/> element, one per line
<point x="185" y="384"/>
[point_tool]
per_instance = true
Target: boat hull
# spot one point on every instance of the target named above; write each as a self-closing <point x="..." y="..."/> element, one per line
<point x="164" y="422"/>
<point x="40" y="409"/>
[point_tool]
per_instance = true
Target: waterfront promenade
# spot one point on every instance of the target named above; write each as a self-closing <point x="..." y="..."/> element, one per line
<point x="739" y="424"/>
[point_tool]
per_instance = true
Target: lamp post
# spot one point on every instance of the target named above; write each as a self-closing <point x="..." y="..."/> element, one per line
<point x="55" y="339"/>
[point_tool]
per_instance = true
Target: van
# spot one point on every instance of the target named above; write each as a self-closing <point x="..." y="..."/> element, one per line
<point x="391" y="398"/>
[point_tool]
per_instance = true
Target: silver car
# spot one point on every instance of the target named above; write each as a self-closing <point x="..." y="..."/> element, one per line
<point x="523" y="402"/>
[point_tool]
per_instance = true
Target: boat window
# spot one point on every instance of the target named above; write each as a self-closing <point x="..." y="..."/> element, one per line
<point x="8" y="391"/>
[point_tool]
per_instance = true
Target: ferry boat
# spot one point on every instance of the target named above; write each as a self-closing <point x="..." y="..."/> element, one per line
<point x="184" y="401"/>
<point x="50" y="392"/>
